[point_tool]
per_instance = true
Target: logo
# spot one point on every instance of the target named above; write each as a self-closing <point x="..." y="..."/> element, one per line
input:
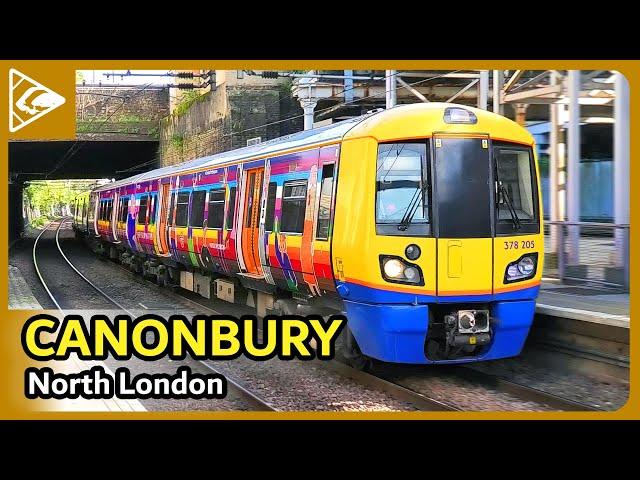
<point x="29" y="100"/>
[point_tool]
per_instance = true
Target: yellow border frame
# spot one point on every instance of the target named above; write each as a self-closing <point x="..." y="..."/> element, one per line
<point x="12" y="360"/>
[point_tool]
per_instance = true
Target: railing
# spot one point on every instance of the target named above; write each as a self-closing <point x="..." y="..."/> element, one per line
<point x="587" y="252"/>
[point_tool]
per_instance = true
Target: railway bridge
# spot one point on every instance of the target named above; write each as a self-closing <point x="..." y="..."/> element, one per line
<point x="116" y="137"/>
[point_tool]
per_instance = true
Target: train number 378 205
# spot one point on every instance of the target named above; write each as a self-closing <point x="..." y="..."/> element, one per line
<point x="519" y="244"/>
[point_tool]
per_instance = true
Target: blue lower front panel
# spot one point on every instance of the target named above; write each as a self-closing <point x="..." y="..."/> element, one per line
<point x="397" y="333"/>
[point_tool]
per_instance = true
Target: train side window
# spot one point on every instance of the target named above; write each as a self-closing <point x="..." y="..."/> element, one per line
<point x="324" y="209"/>
<point x="123" y="209"/>
<point x="231" y="209"/>
<point x="182" y="209"/>
<point x="271" y="207"/>
<point x="101" y="211"/>
<point x="142" y="211"/>
<point x="250" y="191"/>
<point x="215" y="216"/>
<point x="197" y="209"/>
<point x="294" y="200"/>
<point x="109" y="209"/>
<point x="152" y="209"/>
<point x="172" y="207"/>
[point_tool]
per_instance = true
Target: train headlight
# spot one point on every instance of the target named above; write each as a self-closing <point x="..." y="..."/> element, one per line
<point x="397" y="270"/>
<point x="393" y="268"/>
<point x="459" y="115"/>
<point x="522" y="269"/>
<point x="526" y="265"/>
<point x="411" y="273"/>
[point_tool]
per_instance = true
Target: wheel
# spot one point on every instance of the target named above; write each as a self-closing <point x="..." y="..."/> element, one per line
<point x="136" y="267"/>
<point x="163" y="278"/>
<point x="352" y="353"/>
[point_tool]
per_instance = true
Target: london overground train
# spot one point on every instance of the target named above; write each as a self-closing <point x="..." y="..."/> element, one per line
<point x="421" y="223"/>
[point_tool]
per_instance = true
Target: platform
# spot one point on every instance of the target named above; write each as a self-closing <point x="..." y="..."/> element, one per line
<point x="584" y="303"/>
<point x="21" y="298"/>
<point x="20" y="295"/>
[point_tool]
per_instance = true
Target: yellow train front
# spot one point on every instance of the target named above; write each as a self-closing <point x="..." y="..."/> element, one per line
<point x="437" y="242"/>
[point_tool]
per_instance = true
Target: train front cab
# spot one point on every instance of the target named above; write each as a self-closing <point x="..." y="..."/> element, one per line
<point x="445" y="263"/>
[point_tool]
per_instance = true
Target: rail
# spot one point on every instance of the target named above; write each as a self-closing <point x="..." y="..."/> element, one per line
<point x="249" y="397"/>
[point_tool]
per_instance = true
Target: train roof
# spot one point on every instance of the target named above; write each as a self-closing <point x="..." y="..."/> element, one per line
<point x="416" y="120"/>
<point x="287" y="142"/>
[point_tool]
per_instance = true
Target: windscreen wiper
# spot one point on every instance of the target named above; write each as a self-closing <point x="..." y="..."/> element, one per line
<point x="412" y="208"/>
<point x="517" y="225"/>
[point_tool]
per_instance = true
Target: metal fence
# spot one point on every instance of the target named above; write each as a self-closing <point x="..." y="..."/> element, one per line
<point x="587" y="252"/>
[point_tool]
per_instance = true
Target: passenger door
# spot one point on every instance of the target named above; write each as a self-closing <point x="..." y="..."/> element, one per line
<point x="162" y="232"/>
<point x="251" y="221"/>
<point x="463" y="203"/>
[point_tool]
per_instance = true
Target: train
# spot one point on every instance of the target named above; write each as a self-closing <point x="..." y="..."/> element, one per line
<point x="420" y="223"/>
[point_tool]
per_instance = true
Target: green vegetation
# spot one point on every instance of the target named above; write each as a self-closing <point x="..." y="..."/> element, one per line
<point x="127" y="123"/>
<point x="39" y="222"/>
<point x="177" y="141"/>
<point x="188" y="98"/>
<point x="285" y="88"/>
<point x="44" y="200"/>
<point x="154" y="132"/>
<point x="130" y="118"/>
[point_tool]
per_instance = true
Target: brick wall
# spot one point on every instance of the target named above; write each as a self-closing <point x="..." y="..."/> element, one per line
<point x="150" y="104"/>
<point x="120" y="110"/>
<point x="225" y="119"/>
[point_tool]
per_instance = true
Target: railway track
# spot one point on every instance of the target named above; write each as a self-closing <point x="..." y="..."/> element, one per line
<point x="419" y="397"/>
<point x="239" y="390"/>
<point x="422" y="399"/>
<point x="523" y="391"/>
<point x="418" y="400"/>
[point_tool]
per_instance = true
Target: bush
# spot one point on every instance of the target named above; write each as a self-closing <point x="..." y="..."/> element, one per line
<point x="39" y="222"/>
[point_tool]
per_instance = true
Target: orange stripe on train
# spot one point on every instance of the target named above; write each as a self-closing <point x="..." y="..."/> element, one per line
<point x="396" y="288"/>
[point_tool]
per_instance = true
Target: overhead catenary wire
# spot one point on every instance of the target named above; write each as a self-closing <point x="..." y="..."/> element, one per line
<point x="149" y="162"/>
<point x="338" y="105"/>
<point x="335" y="95"/>
<point x="341" y="92"/>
